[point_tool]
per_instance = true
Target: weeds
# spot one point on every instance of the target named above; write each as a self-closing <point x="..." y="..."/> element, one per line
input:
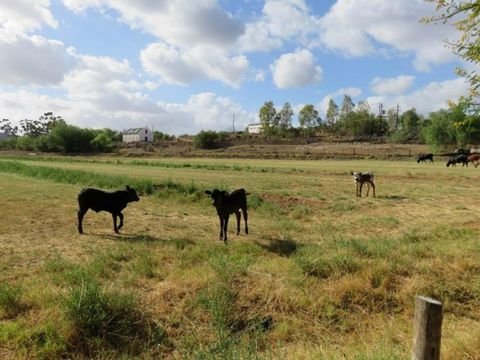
<point x="313" y="260"/>
<point x="10" y="299"/>
<point x="111" y="317"/>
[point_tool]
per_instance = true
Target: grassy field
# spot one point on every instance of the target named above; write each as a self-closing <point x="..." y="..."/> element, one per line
<point x="322" y="274"/>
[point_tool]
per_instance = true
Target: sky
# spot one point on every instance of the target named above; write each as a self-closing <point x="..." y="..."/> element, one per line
<point x="182" y="66"/>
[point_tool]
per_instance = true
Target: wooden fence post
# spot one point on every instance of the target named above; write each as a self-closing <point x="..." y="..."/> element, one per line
<point x="427" y="329"/>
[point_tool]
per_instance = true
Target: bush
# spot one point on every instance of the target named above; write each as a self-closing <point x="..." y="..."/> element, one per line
<point x="71" y="139"/>
<point x="9" y="144"/>
<point x="102" y="142"/>
<point x="206" y="140"/>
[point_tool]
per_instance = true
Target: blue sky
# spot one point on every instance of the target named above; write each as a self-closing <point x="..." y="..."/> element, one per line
<point x="183" y="66"/>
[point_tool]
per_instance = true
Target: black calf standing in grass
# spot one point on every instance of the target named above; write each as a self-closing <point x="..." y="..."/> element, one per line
<point x="98" y="200"/>
<point x="227" y="204"/>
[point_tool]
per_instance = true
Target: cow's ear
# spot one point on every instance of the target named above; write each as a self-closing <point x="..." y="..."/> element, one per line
<point x="127" y="187"/>
<point x="208" y="192"/>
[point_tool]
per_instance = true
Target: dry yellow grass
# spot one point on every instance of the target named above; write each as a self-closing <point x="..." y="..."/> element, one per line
<point x="336" y="274"/>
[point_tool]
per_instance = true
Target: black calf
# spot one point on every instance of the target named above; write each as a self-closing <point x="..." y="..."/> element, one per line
<point x="227" y="204"/>
<point x="98" y="200"/>
<point x="424" y="157"/>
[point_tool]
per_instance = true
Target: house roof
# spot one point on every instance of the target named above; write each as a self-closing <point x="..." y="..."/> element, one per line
<point x="134" y="131"/>
<point x="256" y="124"/>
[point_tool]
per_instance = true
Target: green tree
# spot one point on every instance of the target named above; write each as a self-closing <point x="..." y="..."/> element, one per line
<point x="308" y="119"/>
<point x="158" y="135"/>
<point x="7" y="127"/>
<point x="363" y="124"/>
<point x="267" y="115"/>
<point x="465" y="16"/>
<point x="439" y="133"/>
<point x="71" y="139"/>
<point x="102" y="142"/>
<point x="410" y="130"/>
<point x="332" y="113"/>
<point x="284" y="117"/>
<point x="466" y="122"/>
<point x="392" y="120"/>
<point x="33" y="128"/>
<point x="347" y="106"/>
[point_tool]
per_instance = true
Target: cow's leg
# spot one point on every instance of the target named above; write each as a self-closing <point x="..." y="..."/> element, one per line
<point x="80" y="214"/>
<point x="225" y="226"/>
<point x="373" y="188"/>
<point x="245" y="218"/>
<point x="361" y="187"/>
<point x="237" y="214"/>
<point x="120" y="215"/>
<point x="221" y="227"/>
<point x="114" y="217"/>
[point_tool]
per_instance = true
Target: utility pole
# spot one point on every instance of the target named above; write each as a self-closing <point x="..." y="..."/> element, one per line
<point x="380" y="110"/>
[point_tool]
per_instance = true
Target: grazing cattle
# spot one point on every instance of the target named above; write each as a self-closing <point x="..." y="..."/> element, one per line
<point x="98" y="200"/>
<point x="454" y="160"/>
<point x="363" y="178"/>
<point x="227" y="204"/>
<point x="424" y="157"/>
<point x="474" y="159"/>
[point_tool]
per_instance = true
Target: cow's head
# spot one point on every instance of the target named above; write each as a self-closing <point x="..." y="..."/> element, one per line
<point x="132" y="194"/>
<point x="217" y="197"/>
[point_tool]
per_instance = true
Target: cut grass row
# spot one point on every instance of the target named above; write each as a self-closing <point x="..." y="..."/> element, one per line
<point x="156" y="163"/>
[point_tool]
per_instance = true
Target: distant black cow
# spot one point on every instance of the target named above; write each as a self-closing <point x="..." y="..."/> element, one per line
<point x="454" y="160"/>
<point x="227" y="204"/>
<point x="98" y="200"/>
<point x="424" y="157"/>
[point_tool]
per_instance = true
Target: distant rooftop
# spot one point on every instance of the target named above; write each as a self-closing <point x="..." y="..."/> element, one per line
<point x="133" y="131"/>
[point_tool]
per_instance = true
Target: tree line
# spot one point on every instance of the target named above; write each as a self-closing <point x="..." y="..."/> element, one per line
<point x="51" y="133"/>
<point x="459" y="125"/>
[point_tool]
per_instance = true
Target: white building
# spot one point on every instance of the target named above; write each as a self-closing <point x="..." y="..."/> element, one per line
<point x="254" y="128"/>
<point x="138" y="135"/>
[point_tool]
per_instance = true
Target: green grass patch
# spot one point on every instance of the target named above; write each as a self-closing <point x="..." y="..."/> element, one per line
<point x="10" y="299"/>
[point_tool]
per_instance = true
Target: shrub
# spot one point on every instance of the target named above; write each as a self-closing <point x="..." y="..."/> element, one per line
<point x="9" y="144"/>
<point x="206" y="140"/>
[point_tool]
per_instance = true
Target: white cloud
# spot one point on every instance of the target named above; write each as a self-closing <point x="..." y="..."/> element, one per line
<point x="296" y="69"/>
<point x="432" y="97"/>
<point x="367" y="24"/>
<point x="281" y="21"/>
<point x="33" y="61"/>
<point x="207" y="111"/>
<point x="100" y="92"/>
<point x="24" y="16"/>
<point x="202" y="62"/>
<point x="182" y="23"/>
<point x="391" y="86"/>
